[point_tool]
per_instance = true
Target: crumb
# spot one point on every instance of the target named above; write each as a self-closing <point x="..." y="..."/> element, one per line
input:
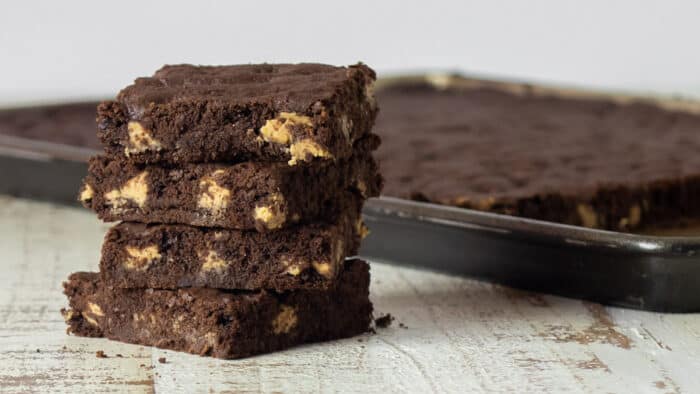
<point x="403" y="325"/>
<point x="162" y="360"/>
<point x="100" y="354"/>
<point x="384" y="321"/>
<point x="119" y="355"/>
<point x="38" y="351"/>
<point x="359" y="339"/>
<point x="142" y="365"/>
<point x="64" y="347"/>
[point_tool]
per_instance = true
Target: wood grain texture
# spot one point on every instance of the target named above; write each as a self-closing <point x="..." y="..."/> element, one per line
<point x="462" y="335"/>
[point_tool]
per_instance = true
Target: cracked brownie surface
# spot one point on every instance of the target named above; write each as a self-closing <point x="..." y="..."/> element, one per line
<point x="265" y="112"/>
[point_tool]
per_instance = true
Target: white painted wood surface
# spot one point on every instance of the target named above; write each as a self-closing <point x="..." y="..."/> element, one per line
<point x="461" y="335"/>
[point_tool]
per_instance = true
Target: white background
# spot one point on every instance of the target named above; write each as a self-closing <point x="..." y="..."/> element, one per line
<point x="61" y="50"/>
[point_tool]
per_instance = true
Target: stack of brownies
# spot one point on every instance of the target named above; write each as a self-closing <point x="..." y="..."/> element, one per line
<point x="239" y="189"/>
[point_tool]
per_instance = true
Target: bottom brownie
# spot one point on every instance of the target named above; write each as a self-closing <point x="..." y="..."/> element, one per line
<point x="219" y="323"/>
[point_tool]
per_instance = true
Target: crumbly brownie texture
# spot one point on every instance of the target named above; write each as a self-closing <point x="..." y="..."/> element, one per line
<point x="595" y="163"/>
<point x="78" y="288"/>
<point x="219" y="323"/>
<point x="248" y="195"/>
<point x="272" y="112"/>
<point x="136" y="255"/>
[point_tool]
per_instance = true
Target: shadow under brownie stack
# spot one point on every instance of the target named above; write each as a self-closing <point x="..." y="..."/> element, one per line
<point x="239" y="189"/>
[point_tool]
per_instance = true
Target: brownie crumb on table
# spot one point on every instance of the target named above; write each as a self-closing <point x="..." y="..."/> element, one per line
<point x="384" y="321"/>
<point x="162" y="360"/>
<point x="100" y="354"/>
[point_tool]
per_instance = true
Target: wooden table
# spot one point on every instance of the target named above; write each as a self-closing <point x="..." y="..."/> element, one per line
<point x="460" y="335"/>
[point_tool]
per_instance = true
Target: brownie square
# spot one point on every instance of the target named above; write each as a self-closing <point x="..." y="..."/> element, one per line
<point x="272" y="112"/>
<point x="250" y="195"/>
<point x="219" y="323"/>
<point x="311" y="256"/>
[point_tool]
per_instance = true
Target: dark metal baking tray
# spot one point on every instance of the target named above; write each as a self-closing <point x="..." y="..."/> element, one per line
<point x="41" y="170"/>
<point x="658" y="273"/>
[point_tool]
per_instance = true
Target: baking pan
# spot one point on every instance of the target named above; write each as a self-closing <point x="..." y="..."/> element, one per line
<point x="41" y="170"/>
<point x="33" y="162"/>
<point x="650" y="272"/>
<point x="657" y="273"/>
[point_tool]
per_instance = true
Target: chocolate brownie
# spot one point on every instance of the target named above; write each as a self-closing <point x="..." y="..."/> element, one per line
<point x="136" y="255"/>
<point x="220" y="323"/>
<point x="247" y="195"/>
<point x="601" y="162"/>
<point x="270" y="112"/>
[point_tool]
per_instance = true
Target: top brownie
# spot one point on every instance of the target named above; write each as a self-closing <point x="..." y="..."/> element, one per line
<point x="263" y="112"/>
<point x="597" y="161"/>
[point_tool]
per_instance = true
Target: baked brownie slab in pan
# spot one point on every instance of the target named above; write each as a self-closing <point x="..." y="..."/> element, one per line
<point x="600" y="161"/>
<point x="647" y="272"/>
